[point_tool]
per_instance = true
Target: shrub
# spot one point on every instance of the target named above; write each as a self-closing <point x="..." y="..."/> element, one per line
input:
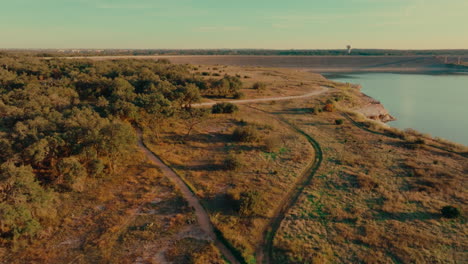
<point x="329" y="108"/>
<point x="259" y="86"/>
<point x="450" y="212"/>
<point x="232" y="162"/>
<point x="224" y="108"/>
<point x="245" y="134"/>
<point x="272" y="143"/>
<point x="249" y="202"/>
<point x="238" y="95"/>
<point x="205" y="73"/>
<point x="228" y="86"/>
<point x="163" y="61"/>
<point x="339" y="121"/>
<point x="96" y="168"/>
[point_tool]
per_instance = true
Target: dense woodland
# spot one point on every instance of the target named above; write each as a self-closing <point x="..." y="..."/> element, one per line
<point x="63" y="122"/>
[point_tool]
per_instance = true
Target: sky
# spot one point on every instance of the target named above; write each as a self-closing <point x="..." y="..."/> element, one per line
<point x="204" y="24"/>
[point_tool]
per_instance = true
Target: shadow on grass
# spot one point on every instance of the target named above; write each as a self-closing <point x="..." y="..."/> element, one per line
<point x="297" y="111"/>
<point x="210" y="167"/>
<point x="407" y="216"/>
<point x="221" y="204"/>
<point x="169" y="206"/>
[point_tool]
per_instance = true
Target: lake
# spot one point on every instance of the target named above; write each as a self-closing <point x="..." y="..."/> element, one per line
<point x="432" y="104"/>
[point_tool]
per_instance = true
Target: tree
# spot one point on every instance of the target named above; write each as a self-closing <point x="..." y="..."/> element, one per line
<point x="115" y="139"/>
<point x="72" y="173"/>
<point x="228" y="86"/>
<point x="122" y="89"/>
<point x="187" y="95"/>
<point x="193" y="117"/>
<point x="22" y="202"/>
<point x="157" y="106"/>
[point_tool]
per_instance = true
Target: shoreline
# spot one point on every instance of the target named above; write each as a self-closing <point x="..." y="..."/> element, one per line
<point x="374" y="109"/>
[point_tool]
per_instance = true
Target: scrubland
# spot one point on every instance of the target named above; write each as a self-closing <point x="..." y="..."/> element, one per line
<point x="377" y="198"/>
<point x="90" y="195"/>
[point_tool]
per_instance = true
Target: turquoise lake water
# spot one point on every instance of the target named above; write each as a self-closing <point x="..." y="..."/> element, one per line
<point x="432" y="104"/>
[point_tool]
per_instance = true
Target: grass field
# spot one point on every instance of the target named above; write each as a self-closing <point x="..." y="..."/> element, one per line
<point x="375" y="199"/>
<point x="269" y="166"/>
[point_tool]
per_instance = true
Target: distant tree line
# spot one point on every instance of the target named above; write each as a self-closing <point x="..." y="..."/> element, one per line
<point x="263" y="52"/>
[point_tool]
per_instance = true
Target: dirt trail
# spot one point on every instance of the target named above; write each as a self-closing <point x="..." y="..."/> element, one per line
<point x="202" y="215"/>
<point x="264" y="253"/>
<point x="267" y="99"/>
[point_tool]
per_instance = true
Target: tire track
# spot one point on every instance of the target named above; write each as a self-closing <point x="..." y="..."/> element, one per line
<point x="264" y="254"/>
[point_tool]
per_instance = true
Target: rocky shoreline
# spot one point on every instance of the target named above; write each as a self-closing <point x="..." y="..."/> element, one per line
<point x="374" y="110"/>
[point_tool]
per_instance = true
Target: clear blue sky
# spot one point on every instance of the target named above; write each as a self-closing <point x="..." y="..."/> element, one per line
<point x="277" y="24"/>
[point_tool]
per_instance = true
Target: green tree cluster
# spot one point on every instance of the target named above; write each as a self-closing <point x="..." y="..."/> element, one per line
<point x="63" y="122"/>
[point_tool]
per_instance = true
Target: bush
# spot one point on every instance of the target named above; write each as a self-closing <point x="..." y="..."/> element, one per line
<point x="238" y="95"/>
<point x="272" y="143"/>
<point x="339" y="121"/>
<point x="224" y="108"/>
<point x="206" y="73"/>
<point x="96" y="168"/>
<point x="329" y="108"/>
<point x="450" y="212"/>
<point x="232" y="162"/>
<point x="249" y="202"/>
<point x="259" y="86"/>
<point x="228" y="86"/>
<point x="245" y="134"/>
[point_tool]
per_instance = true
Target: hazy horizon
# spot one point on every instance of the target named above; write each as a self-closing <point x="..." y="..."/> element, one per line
<point x="210" y="24"/>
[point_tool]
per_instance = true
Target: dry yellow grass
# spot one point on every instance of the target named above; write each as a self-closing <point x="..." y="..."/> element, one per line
<point x="278" y="82"/>
<point x="199" y="160"/>
<point x="374" y="200"/>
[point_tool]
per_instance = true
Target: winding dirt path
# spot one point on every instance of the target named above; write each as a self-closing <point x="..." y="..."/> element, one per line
<point x="200" y="212"/>
<point x="267" y="99"/>
<point x="264" y="253"/>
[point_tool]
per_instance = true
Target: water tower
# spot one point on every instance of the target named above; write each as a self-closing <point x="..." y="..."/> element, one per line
<point x="348" y="47"/>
